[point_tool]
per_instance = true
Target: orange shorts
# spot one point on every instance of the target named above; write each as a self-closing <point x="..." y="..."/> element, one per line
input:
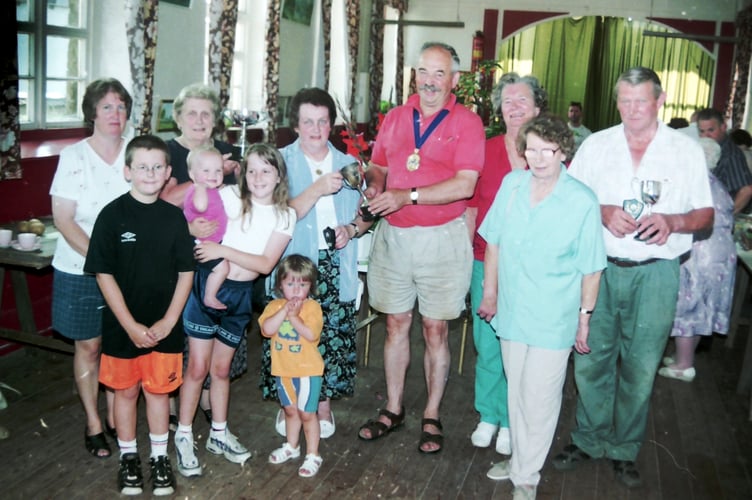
<point x="158" y="372"/>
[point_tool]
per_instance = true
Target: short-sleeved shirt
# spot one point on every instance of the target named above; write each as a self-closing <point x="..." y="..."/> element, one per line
<point x="215" y="211"/>
<point x="293" y="355"/>
<point x="496" y="167"/>
<point x="264" y="220"/>
<point x="179" y="160"/>
<point x="580" y="133"/>
<point x="144" y="247"/>
<point x="732" y="169"/>
<point x="84" y="177"/>
<point x="604" y="164"/>
<point x="544" y="252"/>
<point x="456" y="144"/>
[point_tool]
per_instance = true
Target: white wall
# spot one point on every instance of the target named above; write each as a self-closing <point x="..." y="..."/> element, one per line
<point x="181" y="52"/>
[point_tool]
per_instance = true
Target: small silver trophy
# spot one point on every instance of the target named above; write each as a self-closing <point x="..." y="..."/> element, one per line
<point x="354" y="180"/>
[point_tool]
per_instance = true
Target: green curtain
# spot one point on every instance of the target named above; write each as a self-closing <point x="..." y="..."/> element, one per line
<point x="581" y="59"/>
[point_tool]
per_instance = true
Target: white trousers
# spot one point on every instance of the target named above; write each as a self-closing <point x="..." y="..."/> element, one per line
<point x="535" y="379"/>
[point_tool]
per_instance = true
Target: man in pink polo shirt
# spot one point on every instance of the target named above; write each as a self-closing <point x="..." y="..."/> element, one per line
<point x="432" y="149"/>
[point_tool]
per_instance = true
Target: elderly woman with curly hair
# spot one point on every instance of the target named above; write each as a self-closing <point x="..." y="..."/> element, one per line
<point x="517" y="99"/>
<point x="542" y="274"/>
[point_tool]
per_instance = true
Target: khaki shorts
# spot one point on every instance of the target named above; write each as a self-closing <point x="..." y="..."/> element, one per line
<point x="159" y="373"/>
<point x="432" y="264"/>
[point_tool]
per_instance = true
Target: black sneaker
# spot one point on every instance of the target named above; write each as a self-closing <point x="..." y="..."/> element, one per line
<point x="130" y="480"/>
<point x="162" y="478"/>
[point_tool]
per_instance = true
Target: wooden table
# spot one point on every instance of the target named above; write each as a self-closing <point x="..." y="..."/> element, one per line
<point x="741" y="291"/>
<point x="18" y="263"/>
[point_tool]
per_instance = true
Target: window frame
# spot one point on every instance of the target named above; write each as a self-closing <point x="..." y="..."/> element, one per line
<point x="38" y="31"/>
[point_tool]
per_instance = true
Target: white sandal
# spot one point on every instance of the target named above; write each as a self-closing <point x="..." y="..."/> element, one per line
<point x="283" y="454"/>
<point x="310" y="466"/>
<point x="279" y="423"/>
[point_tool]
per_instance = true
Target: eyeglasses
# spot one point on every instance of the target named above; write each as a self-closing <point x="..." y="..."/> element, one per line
<point x="142" y="169"/>
<point x="545" y="153"/>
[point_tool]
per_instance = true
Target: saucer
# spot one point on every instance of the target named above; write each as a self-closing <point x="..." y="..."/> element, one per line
<point x="17" y="246"/>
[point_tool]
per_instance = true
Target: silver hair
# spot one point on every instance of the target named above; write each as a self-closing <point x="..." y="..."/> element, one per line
<point x="638" y="75"/>
<point x="443" y="46"/>
<point x="539" y="93"/>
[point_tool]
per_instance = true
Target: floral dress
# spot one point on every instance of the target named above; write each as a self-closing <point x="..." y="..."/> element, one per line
<point x="706" y="280"/>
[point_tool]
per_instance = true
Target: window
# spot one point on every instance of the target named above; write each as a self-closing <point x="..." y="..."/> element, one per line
<point x="52" y="61"/>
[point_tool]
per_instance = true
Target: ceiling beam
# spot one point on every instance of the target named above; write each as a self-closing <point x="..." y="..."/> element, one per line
<point x="432" y="24"/>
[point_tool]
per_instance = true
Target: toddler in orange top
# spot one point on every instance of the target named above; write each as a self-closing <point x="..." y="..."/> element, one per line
<point x="294" y="325"/>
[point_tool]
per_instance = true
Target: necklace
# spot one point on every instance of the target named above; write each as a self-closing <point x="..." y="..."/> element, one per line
<point x="316" y="166"/>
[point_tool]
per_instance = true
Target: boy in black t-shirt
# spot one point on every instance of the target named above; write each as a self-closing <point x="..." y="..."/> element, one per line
<point x="142" y="254"/>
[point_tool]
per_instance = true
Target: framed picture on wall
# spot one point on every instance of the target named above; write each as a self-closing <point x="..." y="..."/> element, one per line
<point x="165" y="123"/>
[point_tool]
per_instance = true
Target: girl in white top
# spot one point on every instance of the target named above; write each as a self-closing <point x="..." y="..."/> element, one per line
<point x="259" y="227"/>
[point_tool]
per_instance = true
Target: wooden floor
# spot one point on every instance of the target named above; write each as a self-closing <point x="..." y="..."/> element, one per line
<point x="698" y="444"/>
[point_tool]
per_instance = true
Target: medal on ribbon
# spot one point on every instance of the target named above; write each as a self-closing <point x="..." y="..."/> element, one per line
<point x="413" y="161"/>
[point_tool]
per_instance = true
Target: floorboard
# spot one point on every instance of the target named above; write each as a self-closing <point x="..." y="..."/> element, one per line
<point x="698" y="441"/>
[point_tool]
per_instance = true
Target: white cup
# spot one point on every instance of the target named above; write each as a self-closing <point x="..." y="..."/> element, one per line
<point x="27" y="240"/>
<point x="5" y="236"/>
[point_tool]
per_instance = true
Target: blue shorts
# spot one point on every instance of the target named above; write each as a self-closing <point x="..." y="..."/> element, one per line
<point x="77" y="306"/>
<point x="227" y="325"/>
<point x="300" y="392"/>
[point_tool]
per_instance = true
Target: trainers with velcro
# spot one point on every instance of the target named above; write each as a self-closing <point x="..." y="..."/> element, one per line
<point x="162" y="477"/>
<point x="130" y="480"/>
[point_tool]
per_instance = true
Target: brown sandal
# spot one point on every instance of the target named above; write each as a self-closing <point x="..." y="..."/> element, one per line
<point x="377" y="428"/>
<point x="427" y="437"/>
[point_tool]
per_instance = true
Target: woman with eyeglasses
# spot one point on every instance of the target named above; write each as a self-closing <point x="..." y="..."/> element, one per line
<point x="89" y="175"/>
<point x="542" y="273"/>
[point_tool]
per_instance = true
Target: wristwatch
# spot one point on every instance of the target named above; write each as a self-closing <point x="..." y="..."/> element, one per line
<point x="357" y="230"/>
<point x="414" y="195"/>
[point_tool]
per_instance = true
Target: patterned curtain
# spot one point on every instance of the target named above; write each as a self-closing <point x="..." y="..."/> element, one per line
<point x="326" y="28"/>
<point x="274" y="14"/>
<point x="738" y="95"/>
<point x="141" y="31"/>
<point x="223" y="17"/>
<point x="377" y="57"/>
<point x="10" y="129"/>
<point x="400" y="70"/>
<point x="376" y="63"/>
<point x="353" y="17"/>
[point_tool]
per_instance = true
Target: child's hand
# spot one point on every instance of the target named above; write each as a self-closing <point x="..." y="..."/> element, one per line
<point x="230" y="166"/>
<point x="208" y="250"/>
<point x="161" y="329"/>
<point x="293" y="307"/>
<point x="141" y="336"/>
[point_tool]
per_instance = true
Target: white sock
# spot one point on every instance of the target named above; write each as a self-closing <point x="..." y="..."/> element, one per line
<point x="127" y="447"/>
<point x="159" y="444"/>
<point x="218" y="430"/>
<point x="184" y="430"/>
